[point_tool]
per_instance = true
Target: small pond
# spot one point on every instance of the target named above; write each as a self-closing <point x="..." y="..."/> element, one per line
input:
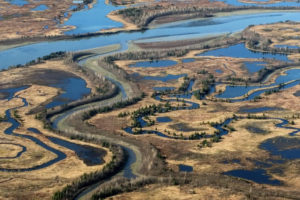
<point x="185" y="168"/>
<point x="256" y="175"/>
<point x="164" y="78"/>
<point x="254" y="66"/>
<point x="163" y="119"/>
<point x="158" y="63"/>
<point x="74" y="89"/>
<point x="240" y="51"/>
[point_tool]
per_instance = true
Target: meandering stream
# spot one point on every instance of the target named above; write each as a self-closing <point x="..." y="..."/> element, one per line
<point x="90" y="155"/>
<point x="174" y="31"/>
<point x="11" y="131"/>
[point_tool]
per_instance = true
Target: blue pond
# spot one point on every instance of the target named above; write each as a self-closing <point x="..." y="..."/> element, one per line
<point x="17" y="2"/>
<point x="256" y="175"/>
<point x="237" y="91"/>
<point x="255" y="66"/>
<point x="219" y="71"/>
<point x="164" y="78"/>
<point x="257" y="110"/>
<point x="163" y="88"/>
<point x="188" y="60"/>
<point x="158" y="63"/>
<point x="40" y="8"/>
<point x="74" y="89"/>
<point x="163" y="119"/>
<point x="240" y="51"/>
<point x="286" y="148"/>
<point x="185" y="168"/>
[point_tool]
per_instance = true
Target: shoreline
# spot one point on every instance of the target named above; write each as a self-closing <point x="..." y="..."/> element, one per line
<point x="127" y="27"/>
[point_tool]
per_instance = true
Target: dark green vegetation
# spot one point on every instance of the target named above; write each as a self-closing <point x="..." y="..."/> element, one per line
<point x="2" y="118"/>
<point x="122" y="104"/>
<point x="151" y="55"/>
<point x="121" y="186"/>
<point x="184" y="86"/>
<point x="142" y="16"/>
<point x="206" y="83"/>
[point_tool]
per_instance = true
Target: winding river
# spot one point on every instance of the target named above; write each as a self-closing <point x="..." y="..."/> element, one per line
<point x="174" y="31"/>
<point x="180" y="98"/>
<point x="90" y="155"/>
<point x="14" y="125"/>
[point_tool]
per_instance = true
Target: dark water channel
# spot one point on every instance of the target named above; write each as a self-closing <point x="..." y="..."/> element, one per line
<point x="90" y="155"/>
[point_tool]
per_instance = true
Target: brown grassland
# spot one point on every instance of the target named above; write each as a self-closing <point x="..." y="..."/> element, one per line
<point x="240" y="144"/>
<point x="155" y="155"/>
<point x="280" y="33"/>
<point x="179" y="193"/>
<point x="28" y="23"/>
